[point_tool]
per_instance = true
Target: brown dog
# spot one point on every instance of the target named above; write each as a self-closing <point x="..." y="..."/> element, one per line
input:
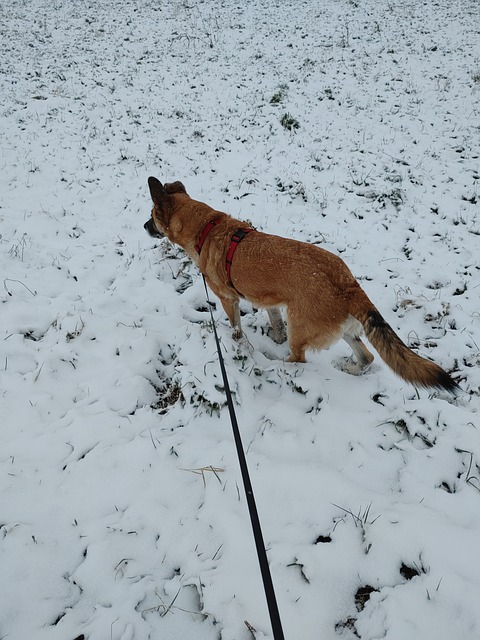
<point x="324" y="302"/>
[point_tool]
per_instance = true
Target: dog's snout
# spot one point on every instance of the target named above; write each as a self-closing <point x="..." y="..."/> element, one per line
<point x="151" y="229"/>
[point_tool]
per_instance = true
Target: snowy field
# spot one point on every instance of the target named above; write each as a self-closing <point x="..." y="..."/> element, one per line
<point x="352" y="124"/>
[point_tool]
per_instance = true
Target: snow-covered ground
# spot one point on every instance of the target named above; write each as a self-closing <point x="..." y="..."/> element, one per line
<point x="351" y="124"/>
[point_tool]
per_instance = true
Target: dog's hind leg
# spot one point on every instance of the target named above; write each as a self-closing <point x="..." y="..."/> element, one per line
<point x="306" y="333"/>
<point x="278" y="326"/>
<point x="362" y="354"/>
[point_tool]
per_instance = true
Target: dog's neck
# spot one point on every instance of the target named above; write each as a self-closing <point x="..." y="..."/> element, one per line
<point x="200" y="225"/>
<point x="211" y="224"/>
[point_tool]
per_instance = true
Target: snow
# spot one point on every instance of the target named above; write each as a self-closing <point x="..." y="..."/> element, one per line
<point x="122" y="512"/>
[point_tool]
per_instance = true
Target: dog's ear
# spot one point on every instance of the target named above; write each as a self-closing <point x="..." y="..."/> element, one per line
<point x="175" y="187"/>
<point x="159" y="195"/>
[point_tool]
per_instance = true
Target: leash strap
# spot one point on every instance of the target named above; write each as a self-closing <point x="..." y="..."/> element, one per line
<point x="252" y="507"/>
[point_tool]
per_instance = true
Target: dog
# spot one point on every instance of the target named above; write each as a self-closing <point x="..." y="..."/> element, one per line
<point x="323" y="300"/>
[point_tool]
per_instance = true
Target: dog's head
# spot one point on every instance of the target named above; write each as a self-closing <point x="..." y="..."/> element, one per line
<point x="165" y="199"/>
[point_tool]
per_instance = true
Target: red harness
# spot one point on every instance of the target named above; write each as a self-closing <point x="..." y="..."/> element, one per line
<point x="237" y="237"/>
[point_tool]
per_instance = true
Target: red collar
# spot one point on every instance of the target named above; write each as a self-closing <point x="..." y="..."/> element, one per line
<point x="237" y="237"/>
<point x="204" y="233"/>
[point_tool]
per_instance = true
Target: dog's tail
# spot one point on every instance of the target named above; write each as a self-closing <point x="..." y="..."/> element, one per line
<point x="395" y="353"/>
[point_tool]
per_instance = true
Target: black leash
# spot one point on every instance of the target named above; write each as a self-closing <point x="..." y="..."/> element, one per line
<point x="252" y="507"/>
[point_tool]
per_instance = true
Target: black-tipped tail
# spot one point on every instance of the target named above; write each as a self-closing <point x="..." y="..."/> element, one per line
<point x="402" y="360"/>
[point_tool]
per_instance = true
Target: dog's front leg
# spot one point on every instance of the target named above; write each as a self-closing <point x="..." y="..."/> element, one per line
<point x="232" y="309"/>
<point x="278" y="326"/>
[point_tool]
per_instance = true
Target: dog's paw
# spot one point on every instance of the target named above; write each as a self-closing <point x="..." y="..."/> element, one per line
<point x="279" y="337"/>
<point x="350" y="366"/>
<point x="237" y="335"/>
